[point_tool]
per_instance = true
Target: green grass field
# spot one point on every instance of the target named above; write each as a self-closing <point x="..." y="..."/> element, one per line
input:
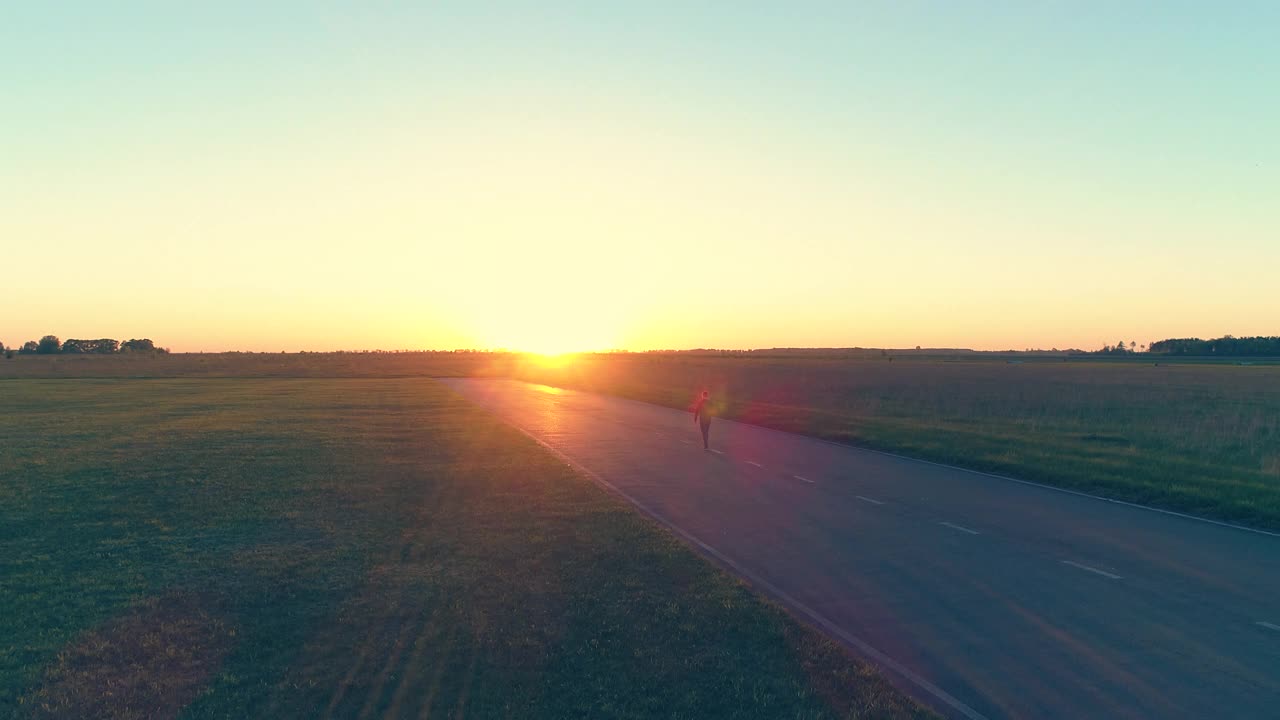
<point x="1203" y="439"/>
<point x="215" y="548"/>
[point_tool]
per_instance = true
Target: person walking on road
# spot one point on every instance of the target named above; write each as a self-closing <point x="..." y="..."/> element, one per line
<point x="702" y="417"/>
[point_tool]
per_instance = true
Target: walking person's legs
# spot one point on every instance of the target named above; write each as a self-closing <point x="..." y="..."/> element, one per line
<point x="706" y="431"/>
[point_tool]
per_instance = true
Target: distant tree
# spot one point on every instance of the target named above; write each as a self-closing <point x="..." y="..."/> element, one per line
<point x="1120" y="346"/>
<point x="102" y="346"/>
<point x="29" y="347"/>
<point x="49" y="344"/>
<point x="135" y="345"/>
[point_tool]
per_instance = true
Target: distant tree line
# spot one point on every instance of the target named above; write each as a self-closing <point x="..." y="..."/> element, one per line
<point x="1226" y="346"/>
<point x="51" y="345"/>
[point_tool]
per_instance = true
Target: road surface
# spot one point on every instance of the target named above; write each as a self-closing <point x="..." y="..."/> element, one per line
<point x="981" y="596"/>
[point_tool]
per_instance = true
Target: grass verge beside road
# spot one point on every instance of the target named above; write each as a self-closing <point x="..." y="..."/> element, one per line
<point x="359" y="548"/>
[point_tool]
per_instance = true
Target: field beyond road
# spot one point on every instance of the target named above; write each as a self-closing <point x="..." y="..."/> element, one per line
<point x="1201" y="439"/>
<point x="276" y="547"/>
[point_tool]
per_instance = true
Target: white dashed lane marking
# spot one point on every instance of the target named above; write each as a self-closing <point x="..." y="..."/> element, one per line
<point x="1103" y="573"/>
<point x="873" y="501"/>
<point x="960" y="528"/>
<point x="718" y="452"/>
<point x="753" y="462"/>
<point x="802" y="479"/>
<point x="1269" y="626"/>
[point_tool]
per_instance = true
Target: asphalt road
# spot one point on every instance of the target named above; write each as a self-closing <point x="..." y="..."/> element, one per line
<point x="981" y="596"/>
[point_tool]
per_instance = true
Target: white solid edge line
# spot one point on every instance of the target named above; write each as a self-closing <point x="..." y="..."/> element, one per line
<point x="828" y="625"/>
<point x="753" y="462"/>
<point x="1092" y="570"/>
<point x="1269" y="625"/>
<point x="960" y="528"/>
<point x="1068" y="491"/>
<point x="870" y="500"/>
<point x="803" y="479"/>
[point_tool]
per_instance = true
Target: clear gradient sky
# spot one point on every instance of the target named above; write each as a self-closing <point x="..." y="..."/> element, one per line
<point x="555" y="176"/>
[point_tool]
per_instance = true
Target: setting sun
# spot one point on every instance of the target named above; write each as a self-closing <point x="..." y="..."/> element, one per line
<point x="551" y="361"/>
<point x="528" y="320"/>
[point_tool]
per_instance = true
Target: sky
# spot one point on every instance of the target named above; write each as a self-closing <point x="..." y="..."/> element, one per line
<point x="579" y="176"/>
